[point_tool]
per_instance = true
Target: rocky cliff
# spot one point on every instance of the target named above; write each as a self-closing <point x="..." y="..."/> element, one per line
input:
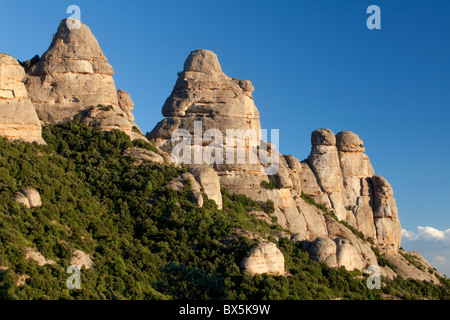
<point x="74" y="79"/>
<point x="333" y="202"/>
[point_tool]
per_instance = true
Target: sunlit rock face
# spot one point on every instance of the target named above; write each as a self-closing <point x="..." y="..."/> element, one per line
<point x="18" y="117"/>
<point x="72" y="77"/>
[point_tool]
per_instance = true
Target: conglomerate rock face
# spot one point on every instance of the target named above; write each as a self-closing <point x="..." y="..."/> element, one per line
<point x="357" y="196"/>
<point x="204" y="93"/>
<point x="73" y="80"/>
<point x="337" y="173"/>
<point x="18" y="117"/>
<point x="264" y="258"/>
<point x="72" y="77"/>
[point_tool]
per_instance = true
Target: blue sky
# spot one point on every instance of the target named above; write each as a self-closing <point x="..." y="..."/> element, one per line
<point x="314" y="64"/>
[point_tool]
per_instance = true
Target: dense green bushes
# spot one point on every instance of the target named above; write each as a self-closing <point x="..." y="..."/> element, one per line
<point x="147" y="241"/>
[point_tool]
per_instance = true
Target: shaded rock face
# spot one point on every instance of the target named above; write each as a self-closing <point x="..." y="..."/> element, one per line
<point x="18" y="117"/>
<point x="73" y="75"/>
<point x="108" y="118"/>
<point x="264" y="258"/>
<point x="30" y="198"/>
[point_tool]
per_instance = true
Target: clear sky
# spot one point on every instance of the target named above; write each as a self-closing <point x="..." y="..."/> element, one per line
<point x="314" y="64"/>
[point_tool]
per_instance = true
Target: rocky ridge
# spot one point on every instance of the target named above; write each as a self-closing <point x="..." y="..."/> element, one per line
<point x="333" y="202"/>
<point x="326" y="201"/>
<point x="73" y="79"/>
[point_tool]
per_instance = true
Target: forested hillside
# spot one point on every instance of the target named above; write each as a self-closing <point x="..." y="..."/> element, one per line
<point x="147" y="241"/>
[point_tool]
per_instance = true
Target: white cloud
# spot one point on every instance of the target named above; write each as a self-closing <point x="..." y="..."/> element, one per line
<point x="440" y="259"/>
<point x="409" y="235"/>
<point x="427" y="233"/>
<point x="430" y="233"/>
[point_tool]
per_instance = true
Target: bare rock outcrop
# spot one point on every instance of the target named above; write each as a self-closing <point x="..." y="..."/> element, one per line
<point x="324" y="250"/>
<point x="178" y="184"/>
<point x="416" y="268"/>
<point x="264" y="258"/>
<point x="73" y="78"/>
<point x="202" y="179"/>
<point x="204" y="93"/>
<point x="36" y="256"/>
<point x="196" y="190"/>
<point x="140" y="155"/>
<point x="29" y="197"/>
<point x="81" y="259"/>
<point x="18" y="117"/>
<point x="386" y="215"/>
<point x="125" y="103"/>
<point x="209" y="181"/>
<point x="324" y="161"/>
<point x="337" y="174"/>
<point x="346" y="177"/>
<point x="356" y="173"/>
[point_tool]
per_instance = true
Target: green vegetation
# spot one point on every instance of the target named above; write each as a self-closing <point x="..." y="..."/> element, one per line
<point x="412" y="260"/>
<point x="147" y="241"/>
<point x="268" y="185"/>
<point x="324" y="209"/>
<point x="29" y="63"/>
<point x="382" y="262"/>
<point x="135" y="129"/>
<point x="107" y="108"/>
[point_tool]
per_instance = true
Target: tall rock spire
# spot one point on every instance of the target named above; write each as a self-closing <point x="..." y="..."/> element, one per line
<point x="72" y="78"/>
<point x="204" y="93"/>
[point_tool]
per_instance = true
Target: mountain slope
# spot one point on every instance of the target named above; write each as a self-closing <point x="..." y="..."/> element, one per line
<point x="147" y="241"/>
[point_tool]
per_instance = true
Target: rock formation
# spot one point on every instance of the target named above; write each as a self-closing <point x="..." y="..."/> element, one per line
<point x="360" y="209"/>
<point x="33" y="255"/>
<point x="29" y="197"/>
<point x="209" y="182"/>
<point x="18" y="118"/>
<point x="347" y="184"/>
<point x="202" y="179"/>
<point x="264" y="258"/>
<point x="81" y="259"/>
<point x="140" y="155"/>
<point x="73" y="78"/>
<point x="387" y="224"/>
<point x="204" y="93"/>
